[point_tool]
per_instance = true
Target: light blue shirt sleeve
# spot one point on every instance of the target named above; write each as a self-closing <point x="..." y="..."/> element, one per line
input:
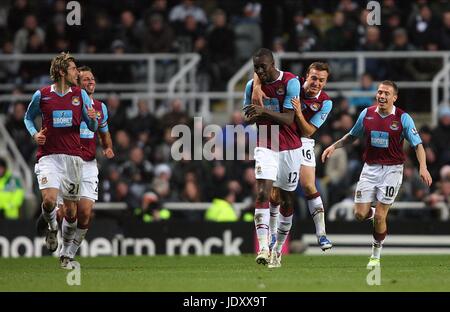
<point x="91" y="123"/>
<point x="409" y="130"/>
<point x="358" y="128"/>
<point x="248" y="93"/>
<point x="292" y="91"/>
<point x="319" y="118"/>
<point x="103" y="126"/>
<point x="33" y="110"/>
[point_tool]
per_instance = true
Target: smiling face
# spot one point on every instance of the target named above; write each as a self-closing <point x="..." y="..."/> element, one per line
<point x="87" y="82"/>
<point x="385" y="98"/>
<point x="264" y="67"/>
<point x="315" y="81"/>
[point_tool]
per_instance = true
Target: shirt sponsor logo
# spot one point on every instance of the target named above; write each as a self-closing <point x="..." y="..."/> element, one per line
<point x="394" y="125"/>
<point x="379" y="139"/>
<point x="46" y="98"/>
<point x="75" y="100"/>
<point x="369" y="118"/>
<point x="62" y="118"/>
<point x="85" y="133"/>
<point x="272" y="104"/>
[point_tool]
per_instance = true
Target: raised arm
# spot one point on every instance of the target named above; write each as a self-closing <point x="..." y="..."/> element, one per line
<point x="258" y="95"/>
<point x="88" y="112"/>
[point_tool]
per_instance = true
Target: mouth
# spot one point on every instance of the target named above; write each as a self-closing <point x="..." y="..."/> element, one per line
<point x="381" y="101"/>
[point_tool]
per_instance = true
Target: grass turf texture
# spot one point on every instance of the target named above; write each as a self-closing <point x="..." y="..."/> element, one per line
<point x="232" y="273"/>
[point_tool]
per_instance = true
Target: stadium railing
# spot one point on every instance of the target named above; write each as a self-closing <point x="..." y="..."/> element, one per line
<point x="344" y="209"/>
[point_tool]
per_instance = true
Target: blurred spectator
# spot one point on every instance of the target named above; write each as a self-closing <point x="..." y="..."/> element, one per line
<point x="444" y="35"/>
<point x="423" y="26"/>
<point x="341" y="36"/>
<point x="129" y="32"/>
<point x="441" y="137"/>
<point x="413" y="189"/>
<point x="176" y="115"/>
<point x="22" y="37"/>
<point x="10" y="69"/>
<point x="304" y="36"/>
<point x="12" y="193"/>
<point x="144" y="122"/>
<point x="187" y="8"/>
<point x="441" y="195"/>
<point x="18" y="131"/>
<point x="366" y="85"/>
<point x="137" y="169"/>
<point x="159" y="37"/>
<point x="221" y="51"/>
<point x="122" y="146"/>
<point x="117" y="117"/>
<point x="248" y="32"/>
<point x="102" y="35"/>
<point x="17" y="14"/>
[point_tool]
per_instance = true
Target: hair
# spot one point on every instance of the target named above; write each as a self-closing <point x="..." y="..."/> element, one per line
<point x="320" y="66"/>
<point x="392" y="84"/>
<point x="84" y="68"/>
<point x="263" y="52"/>
<point x="60" y="62"/>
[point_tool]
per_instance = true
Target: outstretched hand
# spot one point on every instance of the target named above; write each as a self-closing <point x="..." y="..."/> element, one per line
<point x="328" y="152"/>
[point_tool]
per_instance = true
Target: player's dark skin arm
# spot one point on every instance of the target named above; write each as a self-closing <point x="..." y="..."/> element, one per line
<point x="285" y="118"/>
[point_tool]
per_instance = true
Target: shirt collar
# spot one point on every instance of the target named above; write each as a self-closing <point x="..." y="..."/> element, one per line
<point x="392" y="113"/>
<point x="53" y="89"/>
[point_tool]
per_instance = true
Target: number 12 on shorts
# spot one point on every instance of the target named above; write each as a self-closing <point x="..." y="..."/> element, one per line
<point x="292" y="177"/>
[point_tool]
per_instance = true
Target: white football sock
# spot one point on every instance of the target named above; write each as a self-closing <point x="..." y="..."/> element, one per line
<point x="50" y="218"/>
<point x="284" y="226"/>
<point x="77" y="240"/>
<point x="316" y="210"/>
<point x="262" y="216"/>
<point x="273" y="223"/>
<point x="68" y="234"/>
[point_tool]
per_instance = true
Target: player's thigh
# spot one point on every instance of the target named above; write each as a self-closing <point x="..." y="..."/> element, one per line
<point x="266" y="164"/>
<point x="49" y="171"/>
<point x="70" y="182"/>
<point x="391" y="181"/>
<point x="89" y="181"/>
<point x="308" y="157"/>
<point x="288" y="171"/>
<point x="308" y="177"/>
<point x="366" y="187"/>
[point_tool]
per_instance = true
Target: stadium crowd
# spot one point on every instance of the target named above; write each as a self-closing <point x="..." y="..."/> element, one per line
<point x="143" y="174"/>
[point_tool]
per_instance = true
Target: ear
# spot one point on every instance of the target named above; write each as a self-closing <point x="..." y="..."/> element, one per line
<point x="395" y="97"/>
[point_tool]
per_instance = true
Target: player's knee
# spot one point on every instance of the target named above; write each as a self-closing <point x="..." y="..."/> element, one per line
<point x="309" y="188"/>
<point x="49" y="202"/>
<point x="84" y="219"/>
<point x="275" y="197"/>
<point x="261" y="196"/>
<point x="360" y="216"/>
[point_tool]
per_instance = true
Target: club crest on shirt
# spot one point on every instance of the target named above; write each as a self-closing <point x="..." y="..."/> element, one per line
<point x="280" y="90"/>
<point x="44" y="180"/>
<point x="75" y="100"/>
<point x="358" y="194"/>
<point x="98" y="114"/>
<point x="394" y="125"/>
<point x="314" y="106"/>
<point x="258" y="170"/>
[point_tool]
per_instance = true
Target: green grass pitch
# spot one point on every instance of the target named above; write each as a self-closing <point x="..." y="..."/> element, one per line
<point x="228" y="273"/>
